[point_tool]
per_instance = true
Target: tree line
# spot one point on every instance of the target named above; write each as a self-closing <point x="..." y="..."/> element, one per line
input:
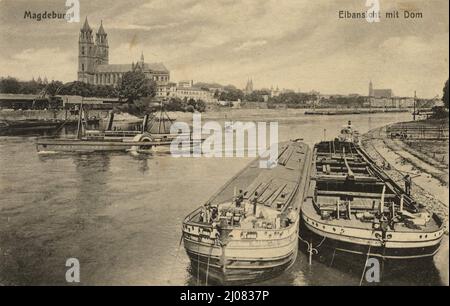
<point x="11" y="85"/>
<point x="134" y="89"/>
<point x="134" y="86"/>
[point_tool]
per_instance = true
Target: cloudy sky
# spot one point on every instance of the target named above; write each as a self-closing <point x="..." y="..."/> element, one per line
<point x="295" y="44"/>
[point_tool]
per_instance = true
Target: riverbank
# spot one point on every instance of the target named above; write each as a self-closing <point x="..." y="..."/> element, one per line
<point x="333" y="112"/>
<point x="429" y="185"/>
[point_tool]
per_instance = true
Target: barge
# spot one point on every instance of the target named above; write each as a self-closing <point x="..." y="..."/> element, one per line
<point x="19" y="127"/>
<point x="354" y="207"/>
<point x="250" y="235"/>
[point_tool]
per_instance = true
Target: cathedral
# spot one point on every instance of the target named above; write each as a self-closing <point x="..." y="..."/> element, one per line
<point x="94" y="67"/>
<point x="380" y="93"/>
<point x="249" y="87"/>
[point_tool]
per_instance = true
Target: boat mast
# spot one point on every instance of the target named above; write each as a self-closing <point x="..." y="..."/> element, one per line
<point x="80" y="114"/>
<point x="160" y="116"/>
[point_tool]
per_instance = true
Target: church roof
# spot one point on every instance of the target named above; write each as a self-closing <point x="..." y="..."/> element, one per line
<point x="382" y="93"/>
<point x="157" y="67"/>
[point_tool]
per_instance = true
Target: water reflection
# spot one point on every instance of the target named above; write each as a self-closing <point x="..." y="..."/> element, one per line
<point x="143" y="163"/>
<point x="121" y="215"/>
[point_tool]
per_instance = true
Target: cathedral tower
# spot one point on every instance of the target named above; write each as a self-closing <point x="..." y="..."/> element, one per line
<point x="249" y="87"/>
<point x="370" y="89"/>
<point x="86" y="54"/>
<point x="101" y="40"/>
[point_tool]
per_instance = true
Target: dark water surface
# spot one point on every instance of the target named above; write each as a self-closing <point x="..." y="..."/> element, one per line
<point x="121" y="215"/>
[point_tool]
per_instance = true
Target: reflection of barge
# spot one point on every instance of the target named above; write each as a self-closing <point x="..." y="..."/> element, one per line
<point x="253" y="235"/>
<point x="354" y="207"/>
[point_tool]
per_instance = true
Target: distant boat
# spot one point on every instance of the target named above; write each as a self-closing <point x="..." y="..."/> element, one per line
<point x="250" y="236"/>
<point x="354" y="207"/>
<point x="17" y="127"/>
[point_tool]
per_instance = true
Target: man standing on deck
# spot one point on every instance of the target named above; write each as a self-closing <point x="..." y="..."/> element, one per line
<point x="255" y="202"/>
<point x="239" y="199"/>
<point x="408" y="183"/>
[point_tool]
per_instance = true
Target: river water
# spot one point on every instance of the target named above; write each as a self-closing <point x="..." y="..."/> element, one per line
<point x="121" y="215"/>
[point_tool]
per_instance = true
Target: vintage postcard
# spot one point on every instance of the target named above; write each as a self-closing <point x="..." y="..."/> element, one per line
<point x="224" y="142"/>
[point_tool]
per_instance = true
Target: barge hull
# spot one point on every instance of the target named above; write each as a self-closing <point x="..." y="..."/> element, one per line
<point x="69" y="145"/>
<point x="378" y="251"/>
<point x="210" y="269"/>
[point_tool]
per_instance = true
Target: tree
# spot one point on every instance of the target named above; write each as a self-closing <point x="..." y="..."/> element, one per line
<point x="53" y="87"/>
<point x="9" y="85"/>
<point x="175" y="104"/>
<point x="30" y="87"/>
<point x="135" y="85"/>
<point x="200" y="106"/>
<point x="77" y="88"/>
<point x="231" y="94"/>
<point x="445" y="95"/>
<point x="104" y="91"/>
<point x="256" y="96"/>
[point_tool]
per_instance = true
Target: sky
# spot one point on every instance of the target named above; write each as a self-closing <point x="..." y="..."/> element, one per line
<point x="295" y="44"/>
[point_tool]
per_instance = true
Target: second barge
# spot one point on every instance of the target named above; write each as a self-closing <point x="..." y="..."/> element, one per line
<point x="353" y="206"/>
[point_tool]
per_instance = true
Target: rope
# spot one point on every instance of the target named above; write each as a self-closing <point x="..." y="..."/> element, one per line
<point x="59" y="128"/>
<point x="311" y="250"/>
<point x="198" y="264"/>
<point x="318" y="246"/>
<point x="309" y="242"/>
<point x="176" y="256"/>
<point x="382" y="262"/>
<point x="332" y="259"/>
<point x="365" y="265"/>
<point x="207" y="266"/>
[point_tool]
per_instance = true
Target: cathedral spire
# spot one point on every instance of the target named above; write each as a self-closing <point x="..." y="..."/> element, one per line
<point x="101" y="31"/>
<point x="142" y="57"/>
<point x="86" y="26"/>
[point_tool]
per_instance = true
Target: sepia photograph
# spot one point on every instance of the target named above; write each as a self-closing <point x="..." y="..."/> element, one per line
<point x="206" y="145"/>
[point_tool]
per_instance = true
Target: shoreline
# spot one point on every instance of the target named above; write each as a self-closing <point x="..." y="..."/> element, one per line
<point x="425" y="187"/>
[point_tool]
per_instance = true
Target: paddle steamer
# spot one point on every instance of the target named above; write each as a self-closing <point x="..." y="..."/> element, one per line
<point x="152" y="136"/>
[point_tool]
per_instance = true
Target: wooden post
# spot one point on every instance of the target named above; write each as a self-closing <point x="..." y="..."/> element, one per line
<point x="224" y="260"/>
<point x="349" y="208"/>
<point x="310" y="251"/>
<point x="80" y="118"/>
<point x="337" y="208"/>
<point x="382" y="199"/>
<point x="401" y="203"/>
